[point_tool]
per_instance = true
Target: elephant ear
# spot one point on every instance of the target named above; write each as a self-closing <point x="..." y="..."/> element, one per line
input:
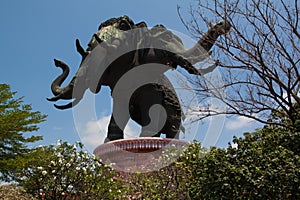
<point x="95" y="64"/>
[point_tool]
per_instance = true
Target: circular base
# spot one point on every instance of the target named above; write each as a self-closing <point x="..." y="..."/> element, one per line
<point x="136" y="154"/>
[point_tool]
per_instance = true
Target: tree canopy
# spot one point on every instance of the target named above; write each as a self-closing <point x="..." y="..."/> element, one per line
<point x="16" y="120"/>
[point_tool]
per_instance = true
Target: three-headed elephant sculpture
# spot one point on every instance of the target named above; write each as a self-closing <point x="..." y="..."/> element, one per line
<point x="131" y="59"/>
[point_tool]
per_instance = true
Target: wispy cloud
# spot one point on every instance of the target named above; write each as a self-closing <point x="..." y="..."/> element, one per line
<point x="239" y="122"/>
<point x="57" y="128"/>
<point x="95" y="131"/>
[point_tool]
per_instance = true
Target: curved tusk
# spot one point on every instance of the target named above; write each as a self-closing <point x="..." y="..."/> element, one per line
<point x="63" y="107"/>
<point x="97" y="38"/>
<point x="80" y="49"/>
<point x="53" y="98"/>
<point x="69" y="105"/>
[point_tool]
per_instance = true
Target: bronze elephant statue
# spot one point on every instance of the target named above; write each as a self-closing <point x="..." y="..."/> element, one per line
<point x="120" y="46"/>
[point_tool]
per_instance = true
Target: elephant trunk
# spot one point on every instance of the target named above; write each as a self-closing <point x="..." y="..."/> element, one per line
<point x="70" y="91"/>
<point x="201" y="50"/>
<point x="58" y="91"/>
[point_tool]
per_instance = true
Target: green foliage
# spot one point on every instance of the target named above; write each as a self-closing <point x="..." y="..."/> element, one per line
<point x="66" y="171"/>
<point x="265" y="165"/>
<point x="16" y="119"/>
<point x="170" y="182"/>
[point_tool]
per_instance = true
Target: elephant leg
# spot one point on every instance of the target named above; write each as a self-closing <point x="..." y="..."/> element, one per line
<point x="116" y="128"/>
<point x="172" y="127"/>
<point x="164" y="119"/>
<point x="150" y="118"/>
<point x="114" y="132"/>
<point x="156" y="121"/>
<point x="174" y="112"/>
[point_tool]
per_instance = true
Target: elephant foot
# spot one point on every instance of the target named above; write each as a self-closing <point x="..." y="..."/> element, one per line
<point x="147" y="133"/>
<point x="114" y="135"/>
<point x="106" y="140"/>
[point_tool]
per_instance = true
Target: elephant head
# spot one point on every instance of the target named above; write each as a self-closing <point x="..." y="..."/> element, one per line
<point x="77" y="86"/>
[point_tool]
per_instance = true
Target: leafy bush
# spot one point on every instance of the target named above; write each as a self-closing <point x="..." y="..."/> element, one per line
<point x="169" y="182"/>
<point x="64" y="171"/>
<point x="265" y="165"/>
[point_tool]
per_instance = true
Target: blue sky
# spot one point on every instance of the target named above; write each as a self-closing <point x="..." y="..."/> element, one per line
<point x="35" y="32"/>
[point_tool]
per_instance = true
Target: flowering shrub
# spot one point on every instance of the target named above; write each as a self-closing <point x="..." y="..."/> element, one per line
<point x="171" y="181"/>
<point x="264" y="165"/>
<point x="66" y="171"/>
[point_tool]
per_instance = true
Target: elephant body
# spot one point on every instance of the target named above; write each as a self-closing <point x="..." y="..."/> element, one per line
<point x="123" y="51"/>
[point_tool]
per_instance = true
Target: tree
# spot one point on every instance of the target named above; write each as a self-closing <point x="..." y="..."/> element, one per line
<point x="265" y="165"/>
<point x="16" y="119"/>
<point x="259" y="59"/>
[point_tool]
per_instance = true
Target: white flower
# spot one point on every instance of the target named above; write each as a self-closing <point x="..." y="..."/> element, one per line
<point x="58" y="143"/>
<point x="53" y="171"/>
<point x="39" y="168"/>
<point x="70" y="187"/>
<point x="59" y="154"/>
<point x="68" y="165"/>
<point x="74" y="147"/>
<point x="44" y="172"/>
<point x="52" y="162"/>
<point x="77" y="168"/>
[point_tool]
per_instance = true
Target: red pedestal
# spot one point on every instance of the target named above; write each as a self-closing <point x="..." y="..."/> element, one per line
<point x="136" y="154"/>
